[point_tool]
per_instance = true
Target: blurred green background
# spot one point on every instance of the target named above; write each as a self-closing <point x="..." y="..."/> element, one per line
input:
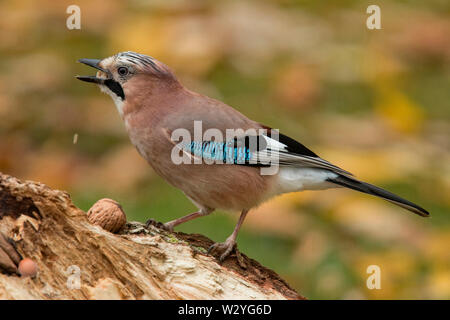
<point x="374" y="102"/>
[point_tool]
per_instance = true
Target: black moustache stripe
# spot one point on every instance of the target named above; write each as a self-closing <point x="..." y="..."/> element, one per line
<point x="115" y="87"/>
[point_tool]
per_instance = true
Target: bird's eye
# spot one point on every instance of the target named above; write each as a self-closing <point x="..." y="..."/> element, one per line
<point x="123" y="71"/>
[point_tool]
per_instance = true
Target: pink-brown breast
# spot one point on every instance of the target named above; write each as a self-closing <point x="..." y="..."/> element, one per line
<point x="224" y="186"/>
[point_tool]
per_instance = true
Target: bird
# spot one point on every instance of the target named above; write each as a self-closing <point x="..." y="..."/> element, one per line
<point x="215" y="171"/>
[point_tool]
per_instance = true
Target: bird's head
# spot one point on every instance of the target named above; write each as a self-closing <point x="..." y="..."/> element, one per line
<point x="118" y="75"/>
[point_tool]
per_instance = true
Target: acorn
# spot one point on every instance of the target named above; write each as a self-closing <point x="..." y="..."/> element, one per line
<point x="28" y="268"/>
<point x="107" y="214"/>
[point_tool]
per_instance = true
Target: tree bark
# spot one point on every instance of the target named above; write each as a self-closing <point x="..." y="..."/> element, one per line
<point x="77" y="260"/>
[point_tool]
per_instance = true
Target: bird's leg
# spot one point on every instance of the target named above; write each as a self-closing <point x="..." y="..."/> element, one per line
<point x="173" y="223"/>
<point x="225" y="248"/>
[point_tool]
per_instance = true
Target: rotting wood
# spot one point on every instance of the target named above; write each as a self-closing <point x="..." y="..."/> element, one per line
<point x="137" y="263"/>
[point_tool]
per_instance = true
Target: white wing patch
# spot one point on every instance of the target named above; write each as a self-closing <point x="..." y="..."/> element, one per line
<point x="277" y="151"/>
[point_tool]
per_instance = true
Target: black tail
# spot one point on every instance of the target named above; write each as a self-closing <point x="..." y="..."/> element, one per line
<point x="375" y="191"/>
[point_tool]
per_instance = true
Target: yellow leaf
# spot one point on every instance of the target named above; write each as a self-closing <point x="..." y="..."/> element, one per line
<point x="399" y="112"/>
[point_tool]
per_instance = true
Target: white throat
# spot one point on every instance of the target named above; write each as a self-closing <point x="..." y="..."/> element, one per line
<point x="117" y="100"/>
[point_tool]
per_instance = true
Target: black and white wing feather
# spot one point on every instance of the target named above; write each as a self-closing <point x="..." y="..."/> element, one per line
<point x="274" y="147"/>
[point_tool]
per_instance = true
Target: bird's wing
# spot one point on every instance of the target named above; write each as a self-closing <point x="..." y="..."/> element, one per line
<point x="289" y="152"/>
<point x="259" y="150"/>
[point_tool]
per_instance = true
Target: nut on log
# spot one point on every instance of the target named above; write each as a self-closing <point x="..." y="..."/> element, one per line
<point x="107" y="214"/>
<point x="28" y="268"/>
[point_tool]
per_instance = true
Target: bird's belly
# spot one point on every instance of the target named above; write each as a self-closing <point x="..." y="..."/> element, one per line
<point x="291" y="179"/>
<point x="224" y="186"/>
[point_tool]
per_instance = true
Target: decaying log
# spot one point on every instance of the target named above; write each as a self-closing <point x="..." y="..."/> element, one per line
<point x="77" y="260"/>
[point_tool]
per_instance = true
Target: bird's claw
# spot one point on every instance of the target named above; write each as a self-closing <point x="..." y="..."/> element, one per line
<point x="152" y="222"/>
<point x="165" y="226"/>
<point x="223" y="248"/>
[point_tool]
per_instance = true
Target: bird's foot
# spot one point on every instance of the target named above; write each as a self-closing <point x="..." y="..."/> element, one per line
<point x="153" y="222"/>
<point x="165" y="226"/>
<point x="223" y="248"/>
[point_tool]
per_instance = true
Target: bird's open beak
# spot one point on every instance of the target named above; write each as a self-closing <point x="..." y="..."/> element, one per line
<point x="113" y="85"/>
<point x="95" y="64"/>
